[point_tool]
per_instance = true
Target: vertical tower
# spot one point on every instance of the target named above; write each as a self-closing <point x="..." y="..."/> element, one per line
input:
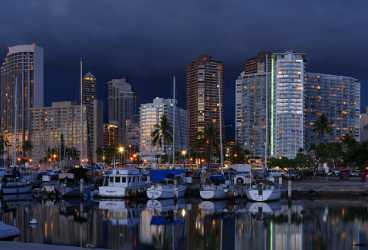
<point x="204" y="76"/>
<point x="287" y="104"/>
<point x="88" y="100"/>
<point x="121" y="101"/>
<point x="251" y="104"/>
<point x="22" y="72"/>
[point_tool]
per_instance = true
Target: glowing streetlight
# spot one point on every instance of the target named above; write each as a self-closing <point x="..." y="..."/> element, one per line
<point x="121" y="150"/>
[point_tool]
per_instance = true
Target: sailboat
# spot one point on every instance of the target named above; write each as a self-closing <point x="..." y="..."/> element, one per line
<point x="264" y="189"/>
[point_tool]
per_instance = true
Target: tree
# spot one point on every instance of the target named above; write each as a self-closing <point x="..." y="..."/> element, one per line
<point x="3" y="145"/>
<point x="27" y="147"/>
<point x="211" y="140"/>
<point x="322" y="127"/>
<point x="72" y="153"/>
<point x="162" y="135"/>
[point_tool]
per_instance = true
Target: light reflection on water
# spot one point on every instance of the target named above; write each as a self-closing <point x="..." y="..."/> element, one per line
<point x="320" y="224"/>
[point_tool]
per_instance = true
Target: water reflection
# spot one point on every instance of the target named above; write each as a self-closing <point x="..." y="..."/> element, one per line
<point x="169" y="224"/>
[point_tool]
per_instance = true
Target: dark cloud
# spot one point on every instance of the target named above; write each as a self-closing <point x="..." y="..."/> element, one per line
<point x="150" y="40"/>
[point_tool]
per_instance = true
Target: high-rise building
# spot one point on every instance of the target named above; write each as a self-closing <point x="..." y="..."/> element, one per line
<point x="50" y="124"/>
<point x="250" y="111"/>
<point x="98" y="138"/>
<point x="363" y="126"/>
<point x="338" y="98"/>
<point x="205" y="77"/>
<point x="150" y="116"/>
<point x="88" y="98"/>
<point x="110" y="134"/>
<point x="133" y="132"/>
<point x="21" y="75"/>
<point x="287" y="104"/>
<point x="250" y="104"/>
<point x="121" y="105"/>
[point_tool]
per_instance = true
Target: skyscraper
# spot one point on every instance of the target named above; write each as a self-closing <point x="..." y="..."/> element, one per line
<point x="88" y="98"/>
<point x="338" y="98"/>
<point x="22" y="75"/>
<point x="150" y="115"/>
<point x="121" y="105"/>
<point x="204" y="78"/>
<point x="287" y="104"/>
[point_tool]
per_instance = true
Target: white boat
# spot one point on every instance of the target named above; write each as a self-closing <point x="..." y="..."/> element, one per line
<point x="171" y="188"/>
<point x="14" y="185"/>
<point x="262" y="191"/>
<point x="215" y="187"/>
<point x="124" y="182"/>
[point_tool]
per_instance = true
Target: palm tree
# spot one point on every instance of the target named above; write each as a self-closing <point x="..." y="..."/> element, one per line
<point x="162" y="135"/>
<point x="322" y="127"/>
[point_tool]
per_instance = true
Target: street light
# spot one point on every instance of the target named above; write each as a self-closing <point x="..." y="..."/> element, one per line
<point x="121" y="150"/>
<point x="184" y="153"/>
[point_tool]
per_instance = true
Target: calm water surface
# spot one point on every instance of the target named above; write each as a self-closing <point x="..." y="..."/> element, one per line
<point x="319" y="224"/>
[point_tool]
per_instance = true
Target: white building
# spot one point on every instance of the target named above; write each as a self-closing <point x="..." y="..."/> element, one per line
<point x="287" y="104"/>
<point x="150" y="115"/>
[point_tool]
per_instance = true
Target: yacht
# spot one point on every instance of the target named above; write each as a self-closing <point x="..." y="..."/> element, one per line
<point x="214" y="188"/>
<point x="263" y="190"/>
<point x="124" y="182"/>
<point x="172" y="187"/>
<point x="13" y="184"/>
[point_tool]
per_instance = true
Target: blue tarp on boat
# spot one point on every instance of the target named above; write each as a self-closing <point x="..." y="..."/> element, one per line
<point x="161" y="174"/>
<point x="160" y="220"/>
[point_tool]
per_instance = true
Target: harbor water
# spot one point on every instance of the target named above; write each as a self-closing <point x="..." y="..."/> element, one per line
<point x="192" y="224"/>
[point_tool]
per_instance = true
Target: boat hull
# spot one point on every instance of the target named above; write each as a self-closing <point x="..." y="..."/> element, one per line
<point x="165" y="192"/>
<point x="15" y="188"/>
<point x="263" y="195"/>
<point x="212" y="194"/>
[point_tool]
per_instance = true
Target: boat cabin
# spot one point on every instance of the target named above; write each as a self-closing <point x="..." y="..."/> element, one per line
<point x="125" y="177"/>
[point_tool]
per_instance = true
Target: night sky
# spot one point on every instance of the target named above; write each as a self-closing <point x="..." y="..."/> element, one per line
<point x="148" y="41"/>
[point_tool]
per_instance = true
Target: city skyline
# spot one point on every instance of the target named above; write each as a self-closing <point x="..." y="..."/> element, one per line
<point x="127" y="49"/>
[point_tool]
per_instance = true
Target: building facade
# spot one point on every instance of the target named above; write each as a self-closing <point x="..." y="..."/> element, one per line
<point x="121" y="106"/>
<point x="205" y="84"/>
<point x="287" y="104"/>
<point x="150" y="116"/>
<point x="98" y="127"/>
<point x="88" y="98"/>
<point x="22" y="79"/>
<point x="250" y="112"/>
<point x="110" y="135"/>
<point x="363" y="134"/>
<point x="338" y="98"/>
<point x="61" y="119"/>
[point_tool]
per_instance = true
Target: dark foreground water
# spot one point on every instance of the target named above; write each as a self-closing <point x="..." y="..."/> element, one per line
<point x="190" y="225"/>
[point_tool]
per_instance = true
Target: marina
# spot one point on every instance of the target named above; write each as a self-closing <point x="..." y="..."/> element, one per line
<point x="169" y="224"/>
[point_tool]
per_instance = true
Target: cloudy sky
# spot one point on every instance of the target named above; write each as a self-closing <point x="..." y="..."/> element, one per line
<point x="148" y="41"/>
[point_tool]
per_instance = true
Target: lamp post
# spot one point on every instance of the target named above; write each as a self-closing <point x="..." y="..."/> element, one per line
<point x="121" y="150"/>
<point x="184" y="153"/>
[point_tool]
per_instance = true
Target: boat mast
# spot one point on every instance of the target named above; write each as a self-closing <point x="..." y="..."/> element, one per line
<point x="174" y="121"/>
<point x="15" y="123"/>
<point x="81" y="110"/>
<point x="266" y="141"/>
<point x="220" y="119"/>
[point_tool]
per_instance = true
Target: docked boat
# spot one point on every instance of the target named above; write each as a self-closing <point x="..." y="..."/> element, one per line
<point x="171" y="186"/>
<point x="124" y="182"/>
<point x="8" y="232"/>
<point x="263" y="190"/>
<point x="214" y="188"/>
<point x="13" y="184"/>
